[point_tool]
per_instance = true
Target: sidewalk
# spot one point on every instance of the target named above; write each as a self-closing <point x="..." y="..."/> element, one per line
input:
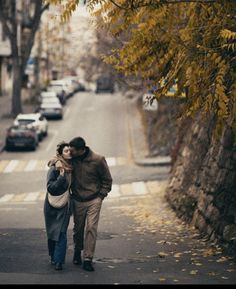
<point x="183" y="254"/>
<point x="138" y="140"/>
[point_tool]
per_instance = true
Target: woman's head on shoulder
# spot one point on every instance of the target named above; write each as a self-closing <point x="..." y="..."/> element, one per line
<point x="63" y="150"/>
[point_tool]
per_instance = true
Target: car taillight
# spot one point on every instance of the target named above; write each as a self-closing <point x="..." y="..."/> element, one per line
<point x="10" y="134"/>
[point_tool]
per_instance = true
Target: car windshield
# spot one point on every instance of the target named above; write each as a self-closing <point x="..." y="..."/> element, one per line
<point x="50" y="105"/>
<point x="25" y="121"/>
<point x="51" y="100"/>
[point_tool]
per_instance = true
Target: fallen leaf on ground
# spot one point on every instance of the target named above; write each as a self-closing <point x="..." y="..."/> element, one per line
<point x="162" y="254"/>
<point x="193" y="272"/>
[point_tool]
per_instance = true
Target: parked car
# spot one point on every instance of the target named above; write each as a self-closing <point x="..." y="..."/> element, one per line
<point x="50" y="100"/>
<point x="104" y="84"/>
<point x="63" y="85"/>
<point x="35" y="120"/>
<point x="21" y="136"/>
<point x="46" y="95"/>
<point x="51" y="110"/>
<point x="59" y="90"/>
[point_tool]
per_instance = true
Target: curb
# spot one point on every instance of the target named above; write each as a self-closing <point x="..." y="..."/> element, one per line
<point x="155" y="161"/>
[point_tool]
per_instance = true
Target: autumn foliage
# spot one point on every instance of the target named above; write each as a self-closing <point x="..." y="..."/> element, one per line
<point x="192" y="43"/>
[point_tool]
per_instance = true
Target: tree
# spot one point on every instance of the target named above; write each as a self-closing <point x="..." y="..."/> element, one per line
<point x="27" y="20"/>
<point x="190" y="41"/>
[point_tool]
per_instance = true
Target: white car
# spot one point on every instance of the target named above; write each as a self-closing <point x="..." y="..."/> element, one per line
<point x="47" y="94"/>
<point x="51" y="110"/>
<point x="50" y="100"/>
<point x="35" y="120"/>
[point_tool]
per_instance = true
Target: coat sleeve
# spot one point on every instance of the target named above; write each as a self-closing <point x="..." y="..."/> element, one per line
<point x="105" y="177"/>
<point x="56" y="184"/>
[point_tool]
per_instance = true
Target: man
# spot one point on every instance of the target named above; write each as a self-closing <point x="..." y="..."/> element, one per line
<point x="91" y="183"/>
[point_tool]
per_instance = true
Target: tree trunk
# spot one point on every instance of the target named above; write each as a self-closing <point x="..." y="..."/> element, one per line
<point x="16" y="87"/>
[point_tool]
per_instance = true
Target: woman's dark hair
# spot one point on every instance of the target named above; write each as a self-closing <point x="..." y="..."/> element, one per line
<point x="78" y="143"/>
<point x="61" y="146"/>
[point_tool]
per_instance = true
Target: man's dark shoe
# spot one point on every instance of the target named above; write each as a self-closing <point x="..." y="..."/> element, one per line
<point x="77" y="258"/>
<point x="88" y="266"/>
<point x="58" y="266"/>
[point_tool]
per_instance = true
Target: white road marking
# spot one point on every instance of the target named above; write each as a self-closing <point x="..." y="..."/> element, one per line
<point x="6" y="198"/>
<point x="11" y="166"/>
<point x="30" y="166"/>
<point x="31" y="196"/>
<point x="111" y="161"/>
<point x="139" y="188"/>
<point x="135" y="189"/>
<point x="115" y="192"/>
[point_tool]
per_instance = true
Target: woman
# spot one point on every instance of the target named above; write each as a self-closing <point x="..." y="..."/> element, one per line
<point x="57" y="219"/>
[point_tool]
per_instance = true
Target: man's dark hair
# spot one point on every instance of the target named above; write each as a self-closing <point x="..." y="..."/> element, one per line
<point x="61" y="146"/>
<point x="78" y="143"/>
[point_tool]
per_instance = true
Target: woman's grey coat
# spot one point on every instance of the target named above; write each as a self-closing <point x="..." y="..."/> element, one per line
<point x="56" y="220"/>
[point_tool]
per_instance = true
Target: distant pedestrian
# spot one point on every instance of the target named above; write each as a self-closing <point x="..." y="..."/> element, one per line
<point x="91" y="183"/>
<point x="57" y="205"/>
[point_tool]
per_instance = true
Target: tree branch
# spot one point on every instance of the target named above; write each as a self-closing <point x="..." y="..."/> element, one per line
<point x="36" y="21"/>
<point x="133" y="6"/>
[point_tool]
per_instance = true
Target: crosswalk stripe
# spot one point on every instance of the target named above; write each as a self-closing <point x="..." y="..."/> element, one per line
<point x="11" y="166"/>
<point x="6" y="198"/>
<point x="111" y="161"/>
<point x="134" y="189"/>
<point x="42" y="196"/>
<point x="139" y="188"/>
<point x="40" y="165"/>
<point x="121" y="161"/>
<point x="126" y="189"/>
<point x="19" y="197"/>
<point x="30" y="166"/>
<point x="153" y="186"/>
<point x="20" y="166"/>
<point x="31" y="196"/>
<point x="115" y="192"/>
<point x="3" y="164"/>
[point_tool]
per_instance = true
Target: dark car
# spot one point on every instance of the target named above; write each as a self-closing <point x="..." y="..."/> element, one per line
<point x="21" y="137"/>
<point x="105" y="84"/>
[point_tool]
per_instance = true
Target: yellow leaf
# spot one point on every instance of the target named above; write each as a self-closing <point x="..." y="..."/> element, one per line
<point x="193" y="272"/>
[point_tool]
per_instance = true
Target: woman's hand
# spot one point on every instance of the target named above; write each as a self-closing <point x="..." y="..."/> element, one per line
<point x="62" y="171"/>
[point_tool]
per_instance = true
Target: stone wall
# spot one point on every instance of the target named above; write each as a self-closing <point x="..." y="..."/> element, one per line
<point x="202" y="188"/>
<point x="160" y="126"/>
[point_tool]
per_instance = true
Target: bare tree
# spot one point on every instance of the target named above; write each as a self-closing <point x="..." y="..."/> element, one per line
<point x="27" y="19"/>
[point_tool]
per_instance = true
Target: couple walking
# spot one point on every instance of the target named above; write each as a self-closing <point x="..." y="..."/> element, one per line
<point x="78" y="180"/>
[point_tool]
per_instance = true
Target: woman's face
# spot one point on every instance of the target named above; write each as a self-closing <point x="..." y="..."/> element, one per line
<point x="66" y="153"/>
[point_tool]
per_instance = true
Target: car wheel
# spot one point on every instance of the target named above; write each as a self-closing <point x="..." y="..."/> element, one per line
<point x="34" y="146"/>
<point x="40" y="137"/>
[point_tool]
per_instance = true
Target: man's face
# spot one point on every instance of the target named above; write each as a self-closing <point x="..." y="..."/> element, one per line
<point x="76" y="153"/>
